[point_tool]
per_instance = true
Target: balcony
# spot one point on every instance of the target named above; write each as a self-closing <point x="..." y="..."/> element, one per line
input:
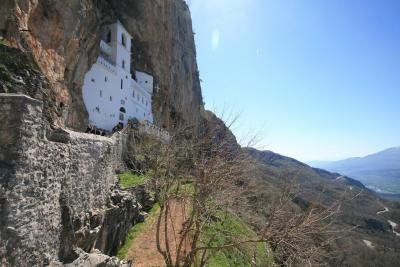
<point x="105" y="47"/>
<point x="106" y="63"/>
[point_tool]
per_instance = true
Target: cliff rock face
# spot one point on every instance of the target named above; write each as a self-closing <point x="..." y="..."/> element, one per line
<point x="57" y="187"/>
<point x="63" y="37"/>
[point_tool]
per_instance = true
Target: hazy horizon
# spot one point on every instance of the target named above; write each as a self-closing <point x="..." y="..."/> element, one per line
<point x="319" y="78"/>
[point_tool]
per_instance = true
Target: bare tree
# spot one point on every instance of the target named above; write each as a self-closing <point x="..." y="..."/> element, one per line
<point x="198" y="176"/>
<point x="201" y="176"/>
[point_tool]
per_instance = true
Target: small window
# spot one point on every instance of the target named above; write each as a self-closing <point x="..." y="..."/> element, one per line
<point x="97" y="109"/>
<point x="105" y="79"/>
<point x="122" y="84"/>
<point x="147" y="103"/>
<point x="123" y="40"/>
<point x="146" y="81"/>
<point x="108" y="37"/>
<point x="101" y="93"/>
<point x="121" y="116"/>
<point x="133" y="94"/>
<point x="123" y="64"/>
<point x="110" y="98"/>
<point x="122" y="109"/>
<point x="93" y="80"/>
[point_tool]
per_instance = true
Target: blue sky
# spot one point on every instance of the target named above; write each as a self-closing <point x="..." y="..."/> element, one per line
<point x="318" y="80"/>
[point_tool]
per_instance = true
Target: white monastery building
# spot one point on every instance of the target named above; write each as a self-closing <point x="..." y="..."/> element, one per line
<point x="110" y="93"/>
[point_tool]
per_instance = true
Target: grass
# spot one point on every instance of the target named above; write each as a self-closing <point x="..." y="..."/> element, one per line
<point x="129" y="179"/>
<point x="227" y="229"/>
<point x="134" y="232"/>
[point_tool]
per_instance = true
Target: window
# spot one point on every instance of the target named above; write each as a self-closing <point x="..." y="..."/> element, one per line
<point x="121" y="116"/>
<point x="147" y="103"/>
<point x="133" y="94"/>
<point x="122" y="102"/>
<point x="105" y="79"/>
<point x="123" y="40"/>
<point x="108" y="37"/>
<point x="122" y="84"/>
<point x="93" y="80"/>
<point x="123" y="64"/>
<point x="110" y="98"/>
<point x="122" y="109"/>
<point x="97" y="109"/>
<point x="101" y="93"/>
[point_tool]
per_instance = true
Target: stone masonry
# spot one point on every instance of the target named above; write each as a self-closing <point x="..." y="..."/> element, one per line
<point x="55" y="186"/>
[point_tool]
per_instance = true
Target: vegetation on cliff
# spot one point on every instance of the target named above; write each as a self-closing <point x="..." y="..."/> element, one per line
<point x="129" y="179"/>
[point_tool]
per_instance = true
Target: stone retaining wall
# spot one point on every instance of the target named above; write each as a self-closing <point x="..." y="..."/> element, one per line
<point x="55" y="186"/>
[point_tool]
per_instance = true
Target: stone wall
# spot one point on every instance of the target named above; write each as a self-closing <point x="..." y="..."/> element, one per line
<point x="56" y="188"/>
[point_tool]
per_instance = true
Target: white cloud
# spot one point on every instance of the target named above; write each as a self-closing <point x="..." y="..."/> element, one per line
<point x="215" y="39"/>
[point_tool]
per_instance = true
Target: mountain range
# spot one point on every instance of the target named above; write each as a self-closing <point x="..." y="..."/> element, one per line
<point x="379" y="171"/>
<point x="365" y="210"/>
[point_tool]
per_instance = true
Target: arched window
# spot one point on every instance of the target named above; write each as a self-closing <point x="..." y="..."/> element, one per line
<point x="123" y="40"/>
<point x="123" y="64"/>
<point x="122" y="109"/>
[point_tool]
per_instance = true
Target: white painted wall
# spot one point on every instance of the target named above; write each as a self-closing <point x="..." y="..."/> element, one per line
<point x="103" y="92"/>
<point x="145" y="80"/>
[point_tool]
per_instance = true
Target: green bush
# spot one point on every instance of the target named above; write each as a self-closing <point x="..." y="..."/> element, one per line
<point x="227" y="229"/>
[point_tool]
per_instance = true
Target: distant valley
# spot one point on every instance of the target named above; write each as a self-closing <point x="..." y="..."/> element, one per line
<point x="379" y="172"/>
<point x="373" y="242"/>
